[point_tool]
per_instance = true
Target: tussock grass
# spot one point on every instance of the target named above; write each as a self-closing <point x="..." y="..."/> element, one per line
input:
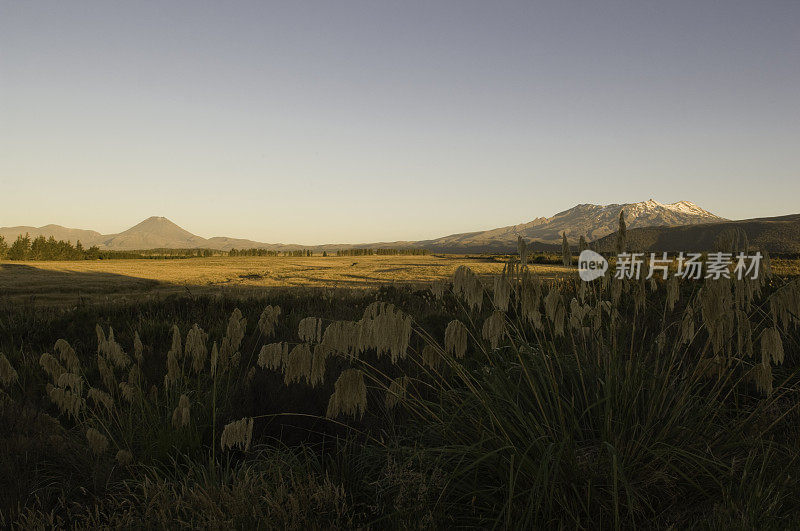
<point x="517" y="402"/>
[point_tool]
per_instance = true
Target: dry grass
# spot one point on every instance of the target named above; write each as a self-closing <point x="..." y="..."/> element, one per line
<point x="72" y="281"/>
<point x="786" y="267"/>
<point x="633" y="424"/>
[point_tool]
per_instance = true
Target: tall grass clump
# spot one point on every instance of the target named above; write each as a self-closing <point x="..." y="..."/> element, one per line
<point x="602" y="404"/>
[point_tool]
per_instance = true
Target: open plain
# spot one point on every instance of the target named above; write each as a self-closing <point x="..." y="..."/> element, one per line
<point x="69" y="282"/>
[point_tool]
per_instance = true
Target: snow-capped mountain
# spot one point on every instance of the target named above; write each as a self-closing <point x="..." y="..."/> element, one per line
<point x="587" y="220"/>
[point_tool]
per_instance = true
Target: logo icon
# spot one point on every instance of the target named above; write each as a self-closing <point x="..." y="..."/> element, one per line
<point x="591" y="265"/>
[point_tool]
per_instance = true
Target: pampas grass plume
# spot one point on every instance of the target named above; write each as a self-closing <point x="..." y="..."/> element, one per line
<point x="318" y="364"/>
<point x="467" y="285"/>
<point x="67" y="356"/>
<point x="238" y="433"/>
<point x="97" y="441"/>
<point x="455" y="338"/>
<point x="67" y="401"/>
<point x="494" y="327"/>
<point x="182" y="413"/>
<point x="138" y="348"/>
<point x="101" y="398"/>
<point x="268" y="320"/>
<point x="349" y="396"/>
<point x="196" y="349"/>
<point x="310" y="329"/>
<point x="273" y="356"/>
<point x="771" y="346"/>
<point x="298" y="364"/>
<point x="51" y="366"/>
<point x="430" y="356"/>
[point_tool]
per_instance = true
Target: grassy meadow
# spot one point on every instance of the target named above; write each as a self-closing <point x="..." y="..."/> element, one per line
<point x="442" y="392"/>
<point x="71" y="282"/>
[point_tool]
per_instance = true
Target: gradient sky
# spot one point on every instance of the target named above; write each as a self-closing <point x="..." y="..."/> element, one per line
<point x="341" y="121"/>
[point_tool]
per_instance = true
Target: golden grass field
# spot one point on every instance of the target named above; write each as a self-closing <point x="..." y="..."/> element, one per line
<point x="73" y="281"/>
<point x="70" y="282"/>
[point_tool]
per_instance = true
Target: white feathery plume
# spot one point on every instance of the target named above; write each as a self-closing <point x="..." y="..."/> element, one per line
<point x="430" y="356"/>
<point x="229" y="349"/>
<point x="687" y="325"/>
<point x="237" y="434"/>
<point x="214" y="359"/>
<point x="502" y="292"/>
<point x="298" y="364"/>
<point x="554" y="309"/>
<point x="182" y="413"/>
<point x="268" y="320"/>
<point x="273" y="356"/>
<point x="438" y="288"/>
<point x="195" y="348"/>
<point x="51" y="366"/>
<point x="67" y="356"/>
<point x="494" y="327"/>
<point x="318" y="364"/>
<point x="129" y="392"/>
<point x="111" y="350"/>
<point x="349" y="396"/>
<point x="310" y="329"/>
<point x="386" y="329"/>
<point x="343" y="337"/>
<point x="71" y="381"/>
<point x="673" y="291"/>
<point x="467" y="286"/>
<point x="67" y="401"/>
<point x="138" y="348"/>
<point x="101" y="398"/>
<point x="772" y="346"/>
<point x="455" y="338"/>
<point x="97" y="441"/>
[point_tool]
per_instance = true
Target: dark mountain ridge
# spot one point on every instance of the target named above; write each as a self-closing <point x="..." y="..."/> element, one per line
<point x="779" y="234"/>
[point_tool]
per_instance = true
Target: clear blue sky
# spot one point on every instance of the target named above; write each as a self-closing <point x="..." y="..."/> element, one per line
<point x="339" y="121"/>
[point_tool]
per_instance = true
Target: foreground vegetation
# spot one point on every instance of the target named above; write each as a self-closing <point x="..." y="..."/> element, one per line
<point x="518" y="403"/>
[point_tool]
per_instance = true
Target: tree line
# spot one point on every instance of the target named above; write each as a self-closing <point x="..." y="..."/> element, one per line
<point x="382" y="252"/>
<point x="268" y="252"/>
<point x="340" y="252"/>
<point x="41" y="248"/>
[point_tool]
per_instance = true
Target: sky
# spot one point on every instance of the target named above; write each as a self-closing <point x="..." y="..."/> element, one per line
<point x="358" y="121"/>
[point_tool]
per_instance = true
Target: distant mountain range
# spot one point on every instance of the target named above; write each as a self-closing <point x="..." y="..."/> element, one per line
<point x="593" y="222"/>
<point x="590" y="221"/>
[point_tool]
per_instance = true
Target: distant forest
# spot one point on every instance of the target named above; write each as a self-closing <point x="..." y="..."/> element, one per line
<point x="41" y="248"/>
